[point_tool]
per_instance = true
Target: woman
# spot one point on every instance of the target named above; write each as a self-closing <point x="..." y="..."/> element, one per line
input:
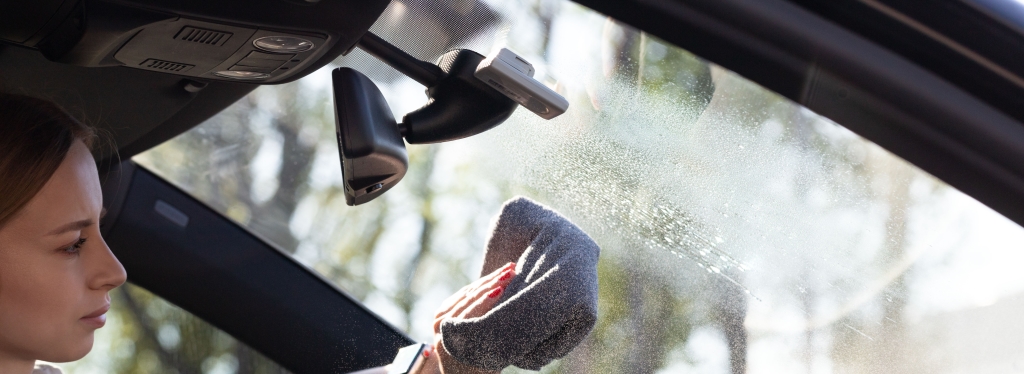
<point x="55" y="269"/>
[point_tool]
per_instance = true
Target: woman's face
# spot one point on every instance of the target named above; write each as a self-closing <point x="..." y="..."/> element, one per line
<point x="55" y="269"/>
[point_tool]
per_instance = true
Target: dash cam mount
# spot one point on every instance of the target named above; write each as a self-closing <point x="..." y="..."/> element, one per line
<point x="467" y="95"/>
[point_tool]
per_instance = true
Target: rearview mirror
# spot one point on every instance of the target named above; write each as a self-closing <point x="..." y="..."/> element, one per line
<point x="373" y="156"/>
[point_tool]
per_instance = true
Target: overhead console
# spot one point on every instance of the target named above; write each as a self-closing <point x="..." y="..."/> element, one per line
<point x="217" y="51"/>
<point x="269" y="41"/>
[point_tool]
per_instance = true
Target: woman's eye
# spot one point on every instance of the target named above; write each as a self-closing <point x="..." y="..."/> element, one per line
<point x="75" y="248"/>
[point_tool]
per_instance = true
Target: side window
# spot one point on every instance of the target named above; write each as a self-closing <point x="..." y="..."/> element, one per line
<point x="147" y="334"/>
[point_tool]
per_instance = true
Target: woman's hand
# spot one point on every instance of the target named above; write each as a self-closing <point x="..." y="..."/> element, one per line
<point x="473" y="300"/>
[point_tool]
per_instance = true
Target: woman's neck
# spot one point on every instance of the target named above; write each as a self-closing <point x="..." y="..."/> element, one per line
<point x="14" y="365"/>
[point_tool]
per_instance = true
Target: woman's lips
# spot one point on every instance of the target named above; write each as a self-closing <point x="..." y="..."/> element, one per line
<point x="97" y="318"/>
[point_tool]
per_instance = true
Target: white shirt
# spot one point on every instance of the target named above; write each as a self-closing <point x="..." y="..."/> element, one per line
<point x="46" y="369"/>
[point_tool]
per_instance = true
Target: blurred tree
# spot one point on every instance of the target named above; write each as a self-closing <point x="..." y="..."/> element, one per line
<point x="419" y="184"/>
<point x="298" y="139"/>
<point x="882" y="342"/>
<point x="637" y="60"/>
<point x="160" y="338"/>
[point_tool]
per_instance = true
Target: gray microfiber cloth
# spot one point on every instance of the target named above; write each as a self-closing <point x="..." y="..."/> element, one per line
<point x="547" y="309"/>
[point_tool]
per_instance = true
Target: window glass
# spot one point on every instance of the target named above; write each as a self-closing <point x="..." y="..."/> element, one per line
<point x="146" y="334"/>
<point x="740" y="232"/>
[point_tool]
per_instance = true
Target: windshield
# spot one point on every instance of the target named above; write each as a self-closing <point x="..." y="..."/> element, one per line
<point x="740" y="232"/>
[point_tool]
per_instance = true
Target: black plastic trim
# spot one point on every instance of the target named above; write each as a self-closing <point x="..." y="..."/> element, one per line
<point x="952" y="39"/>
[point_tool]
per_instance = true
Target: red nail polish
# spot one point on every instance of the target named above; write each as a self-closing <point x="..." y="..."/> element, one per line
<point x="495" y="292"/>
<point x="506" y="276"/>
<point x="426" y="353"/>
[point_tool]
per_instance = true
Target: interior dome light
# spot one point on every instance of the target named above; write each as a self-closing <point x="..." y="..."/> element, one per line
<point x="239" y="74"/>
<point x="283" y="44"/>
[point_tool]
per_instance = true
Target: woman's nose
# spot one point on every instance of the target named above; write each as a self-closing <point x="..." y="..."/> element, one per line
<point x="107" y="272"/>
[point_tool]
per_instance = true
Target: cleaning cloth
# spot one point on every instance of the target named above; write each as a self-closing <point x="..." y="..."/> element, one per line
<point x="547" y="309"/>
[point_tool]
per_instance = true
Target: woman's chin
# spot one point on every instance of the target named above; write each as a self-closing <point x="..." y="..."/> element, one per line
<point x="72" y="351"/>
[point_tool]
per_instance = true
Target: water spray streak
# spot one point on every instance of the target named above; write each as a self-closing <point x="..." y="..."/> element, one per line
<point x="613" y="195"/>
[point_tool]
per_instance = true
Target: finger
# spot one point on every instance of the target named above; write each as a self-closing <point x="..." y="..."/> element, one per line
<point x="483" y="304"/>
<point x="429" y="363"/>
<point x="471" y="289"/>
<point x="500" y="281"/>
<point x="454" y="311"/>
<point x="450" y="301"/>
<point x="466" y="296"/>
